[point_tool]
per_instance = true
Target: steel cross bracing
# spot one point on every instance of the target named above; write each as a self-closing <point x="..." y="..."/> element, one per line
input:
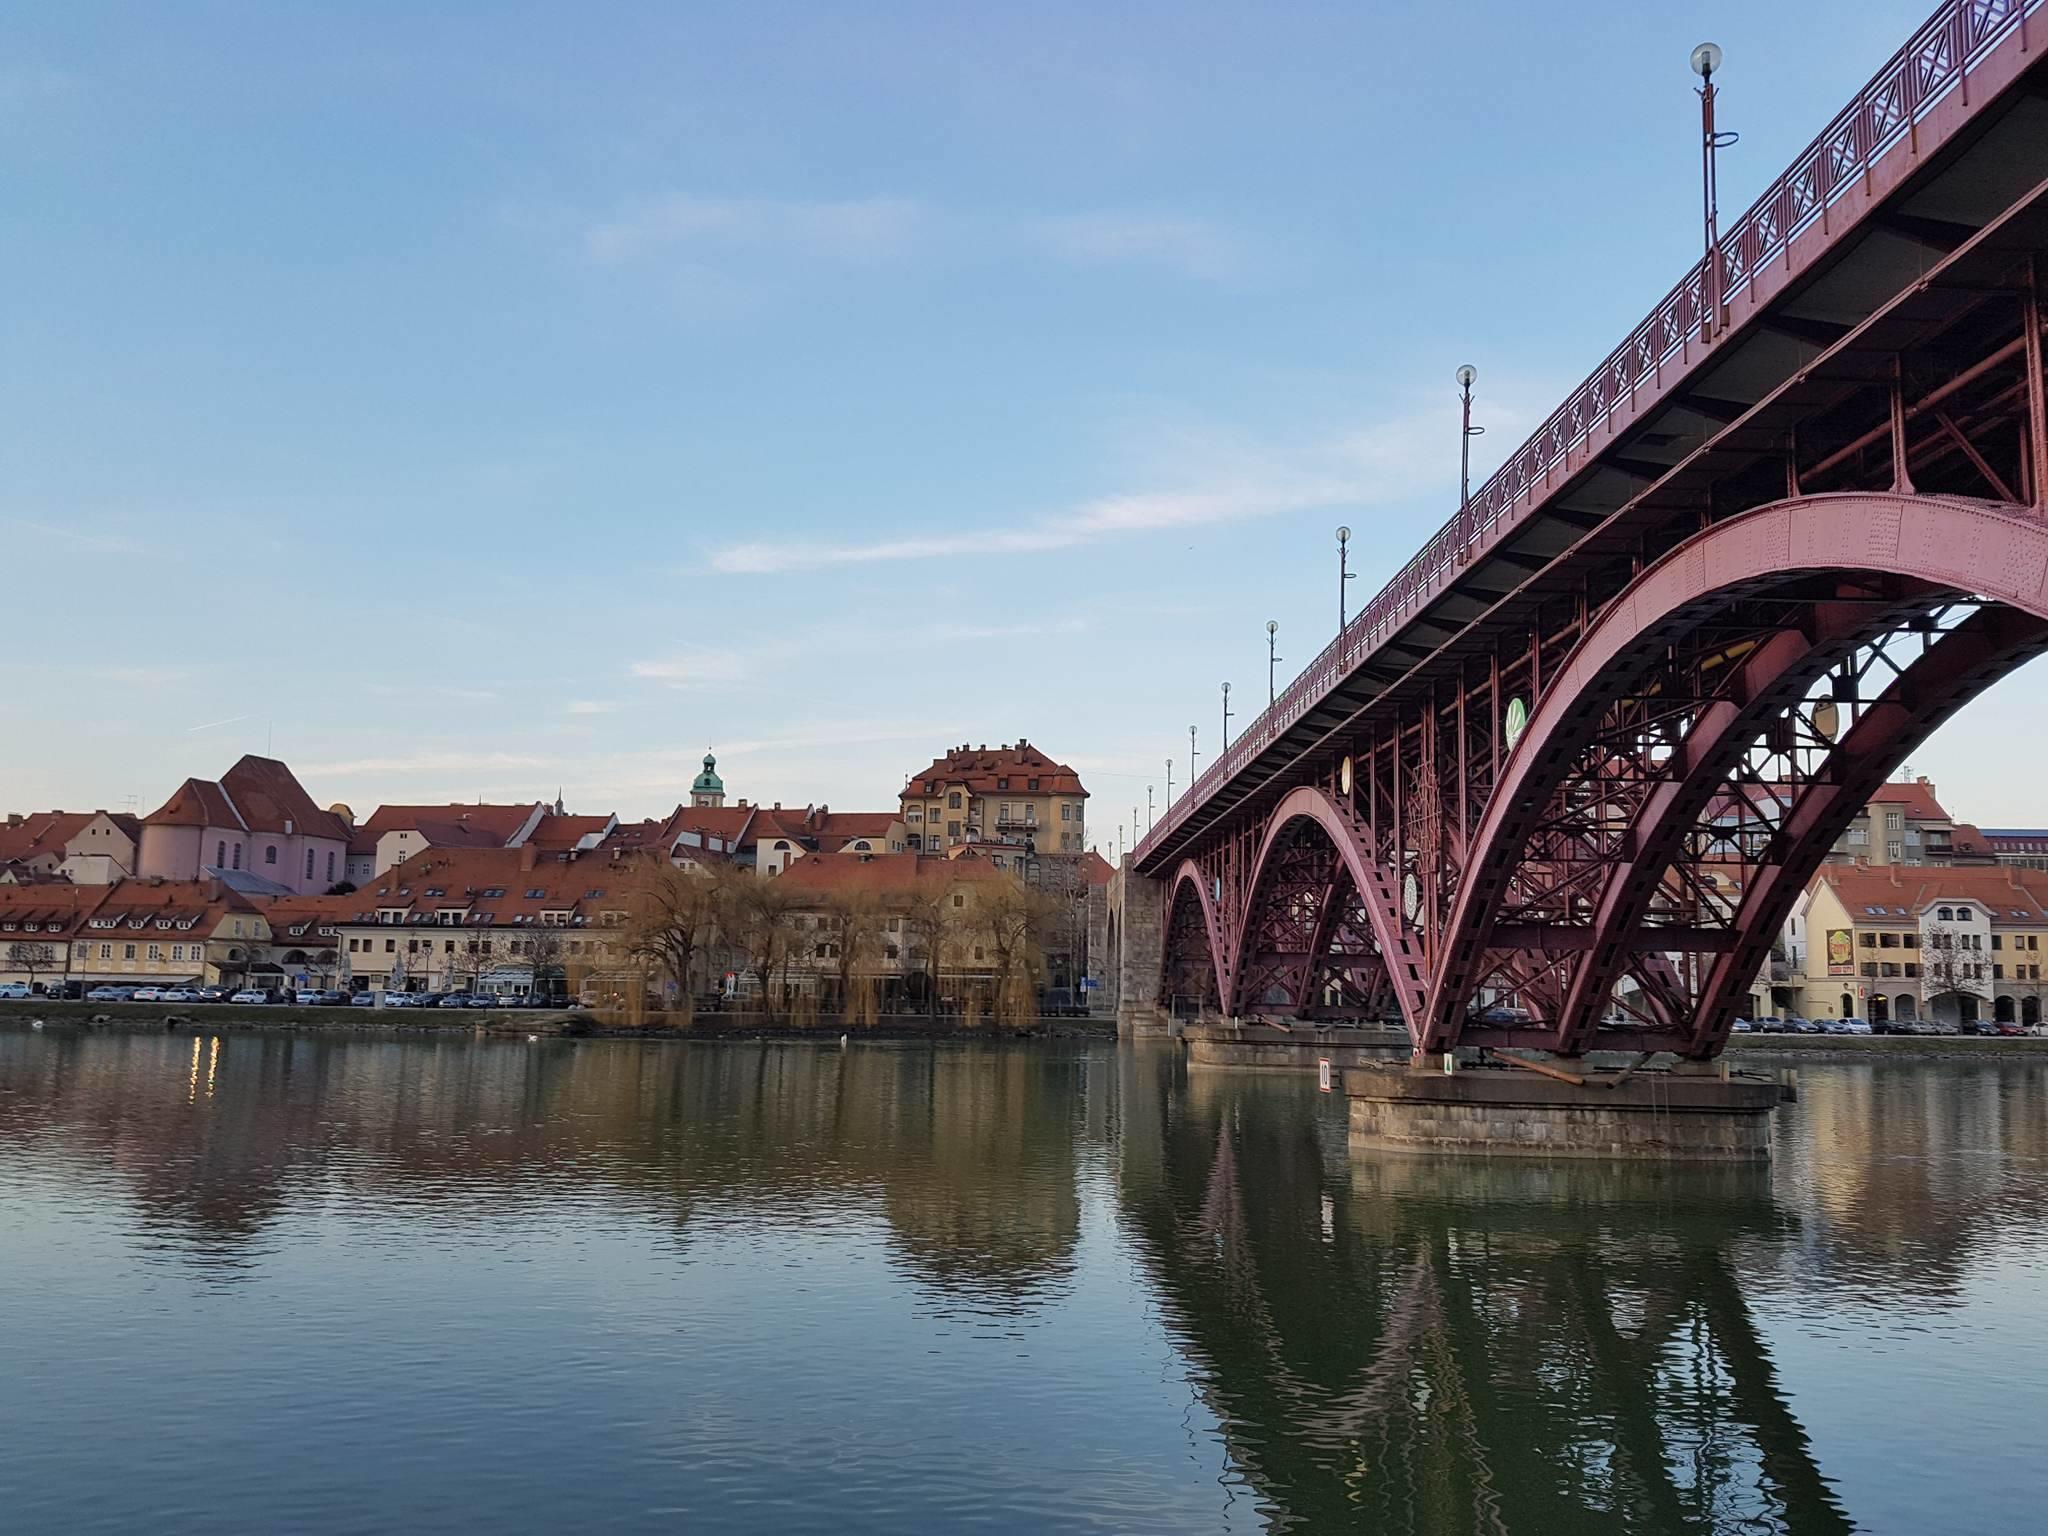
<point x="1716" y="673"/>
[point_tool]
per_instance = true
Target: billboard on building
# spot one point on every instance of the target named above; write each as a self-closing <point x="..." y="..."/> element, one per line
<point x="1841" y="952"/>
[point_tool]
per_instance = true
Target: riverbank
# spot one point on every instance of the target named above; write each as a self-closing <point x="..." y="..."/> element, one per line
<point x="570" y="1024"/>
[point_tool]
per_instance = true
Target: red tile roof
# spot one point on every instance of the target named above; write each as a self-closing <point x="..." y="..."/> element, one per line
<point x="557" y="833"/>
<point x="1095" y="869"/>
<point x="1917" y="887"/>
<point x="1916" y="796"/>
<point x="885" y="874"/>
<point x="258" y="794"/>
<point x="478" y="823"/>
<point x="492" y="881"/>
<point x="41" y="833"/>
<point x="204" y="903"/>
<point x="46" y="903"/>
<point x="1006" y="770"/>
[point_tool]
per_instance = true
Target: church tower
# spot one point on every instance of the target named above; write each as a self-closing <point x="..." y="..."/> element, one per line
<point x="708" y="789"/>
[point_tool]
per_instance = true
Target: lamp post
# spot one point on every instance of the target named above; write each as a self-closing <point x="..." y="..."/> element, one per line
<point x="1148" y="810"/>
<point x="1169" y="783"/>
<point x="1192" y="755"/>
<point x="1706" y="59"/>
<point x="1226" y="719"/>
<point x="1343" y="575"/>
<point x="1272" y="657"/>
<point x="1466" y="432"/>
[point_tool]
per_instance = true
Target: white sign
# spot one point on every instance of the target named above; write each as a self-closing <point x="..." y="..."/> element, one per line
<point x="1323" y="1073"/>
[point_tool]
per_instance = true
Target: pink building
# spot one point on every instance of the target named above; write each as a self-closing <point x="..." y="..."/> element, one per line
<point x="256" y="820"/>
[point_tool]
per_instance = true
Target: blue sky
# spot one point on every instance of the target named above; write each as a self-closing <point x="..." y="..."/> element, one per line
<point x="471" y="400"/>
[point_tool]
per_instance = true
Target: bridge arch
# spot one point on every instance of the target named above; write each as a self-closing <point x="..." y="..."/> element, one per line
<point x="1320" y="912"/>
<point x="1706" y="742"/>
<point x="1194" y="969"/>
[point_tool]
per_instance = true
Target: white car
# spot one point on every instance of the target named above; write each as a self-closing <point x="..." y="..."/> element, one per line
<point x="177" y="995"/>
<point x="250" y="995"/>
<point x="148" y="995"/>
<point x="14" y="989"/>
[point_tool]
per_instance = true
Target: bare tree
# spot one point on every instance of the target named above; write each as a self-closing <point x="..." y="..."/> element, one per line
<point x="1948" y="967"/>
<point x="758" y="922"/>
<point x="30" y="957"/>
<point x="857" y="922"/>
<point x="934" y="922"/>
<point x="673" y="915"/>
<point x="1010" y="920"/>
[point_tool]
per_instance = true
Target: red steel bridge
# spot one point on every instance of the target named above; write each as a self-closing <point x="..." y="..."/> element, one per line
<point x="1560" y="783"/>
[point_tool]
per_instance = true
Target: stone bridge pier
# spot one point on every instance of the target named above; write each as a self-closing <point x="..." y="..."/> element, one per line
<point x="1137" y="954"/>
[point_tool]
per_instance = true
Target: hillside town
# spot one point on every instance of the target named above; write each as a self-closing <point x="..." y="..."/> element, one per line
<point x="974" y="892"/>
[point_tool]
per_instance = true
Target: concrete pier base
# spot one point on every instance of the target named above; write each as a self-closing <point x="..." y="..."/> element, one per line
<point x="1275" y="1047"/>
<point x="1505" y="1111"/>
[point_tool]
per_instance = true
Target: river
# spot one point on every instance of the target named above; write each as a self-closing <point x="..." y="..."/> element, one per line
<point x="331" y="1284"/>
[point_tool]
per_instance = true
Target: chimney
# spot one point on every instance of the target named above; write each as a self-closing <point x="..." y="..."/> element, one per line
<point x="528" y="856"/>
<point x="14" y="818"/>
<point x="287" y="826"/>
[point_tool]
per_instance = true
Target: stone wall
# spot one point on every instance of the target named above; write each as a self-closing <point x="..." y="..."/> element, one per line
<point x="1652" y="1115"/>
<point x="1137" y="920"/>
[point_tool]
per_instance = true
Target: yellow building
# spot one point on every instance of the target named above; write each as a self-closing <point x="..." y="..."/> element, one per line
<point x="156" y="932"/>
<point x="1012" y="794"/>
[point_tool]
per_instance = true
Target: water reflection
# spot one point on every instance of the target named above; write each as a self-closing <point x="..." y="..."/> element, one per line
<point x="892" y="1288"/>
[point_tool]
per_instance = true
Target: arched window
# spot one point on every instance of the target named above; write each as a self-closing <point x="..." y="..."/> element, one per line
<point x="309" y="863"/>
<point x="330" y="866"/>
<point x="270" y="853"/>
<point x="1947" y="914"/>
<point x="220" y="854"/>
<point x="238" y="856"/>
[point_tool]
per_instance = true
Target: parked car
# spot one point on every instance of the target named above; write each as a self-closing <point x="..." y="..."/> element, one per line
<point x="15" y="989"/>
<point x="1891" y="1027"/>
<point x="1739" y="1027"/>
<point x="1851" y="1026"/>
<point x="452" y="1000"/>
<point x="177" y="995"/>
<point x="210" y="994"/>
<point x="484" y="1000"/>
<point x="2010" y="1027"/>
<point x="1505" y="1013"/>
<point x="307" y="997"/>
<point x="105" y="995"/>
<point x="250" y="995"/>
<point x="362" y="1000"/>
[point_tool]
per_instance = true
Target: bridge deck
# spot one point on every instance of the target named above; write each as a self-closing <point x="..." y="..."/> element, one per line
<point x="1935" y="150"/>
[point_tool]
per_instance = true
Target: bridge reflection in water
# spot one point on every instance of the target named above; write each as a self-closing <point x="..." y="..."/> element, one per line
<point x="1493" y="1347"/>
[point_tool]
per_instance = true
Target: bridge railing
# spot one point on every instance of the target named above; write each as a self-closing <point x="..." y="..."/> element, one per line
<point x="1935" y="61"/>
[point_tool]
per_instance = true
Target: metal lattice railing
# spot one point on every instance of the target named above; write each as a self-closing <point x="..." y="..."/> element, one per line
<point x="1935" y="61"/>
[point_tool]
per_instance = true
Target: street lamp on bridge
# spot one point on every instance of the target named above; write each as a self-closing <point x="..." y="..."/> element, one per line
<point x="1705" y="60"/>
<point x="1226" y="718"/>
<point x="1466" y="375"/>
<point x="1192" y="755"/>
<point x="1272" y="657"/>
<point x="1148" y="810"/>
<point x="1343" y="574"/>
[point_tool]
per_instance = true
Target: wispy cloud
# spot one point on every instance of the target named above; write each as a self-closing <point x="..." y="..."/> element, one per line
<point x="212" y="724"/>
<point x="1377" y="464"/>
<point x="1193" y="247"/>
<point x="851" y="230"/>
<point x="692" y="669"/>
<point x="140" y="677"/>
<point x="873" y="231"/>
<point x="591" y="707"/>
<point x="455" y="766"/>
<point x="1086" y="524"/>
<point x="96" y="540"/>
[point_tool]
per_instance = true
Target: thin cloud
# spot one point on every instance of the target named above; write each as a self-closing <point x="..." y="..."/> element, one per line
<point x="691" y="669"/>
<point x="591" y="707"/>
<point x="1192" y="247"/>
<point x="446" y="765"/>
<point x="851" y="230"/>
<point x="212" y="724"/>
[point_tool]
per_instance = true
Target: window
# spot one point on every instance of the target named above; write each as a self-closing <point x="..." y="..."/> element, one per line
<point x="1998" y="941"/>
<point x="1998" y="973"/>
<point x="953" y="801"/>
<point x="959" y="900"/>
<point x="270" y="853"/>
<point x="1946" y="914"/>
<point x="309" y="863"/>
<point x="535" y="895"/>
<point x="330" y="867"/>
<point x="1887" y="941"/>
<point x="889" y="951"/>
<point x="1893" y="851"/>
<point x="238" y="856"/>
<point x="1867" y="940"/>
<point x="156" y="952"/>
<point x="1892" y="821"/>
<point x="106" y="951"/>
<point x="177" y="951"/>
<point x="1032" y="786"/>
<point x="220" y="854"/>
<point x="390" y="945"/>
<point x="977" y="951"/>
<point x="1066" y="811"/>
<point x="1870" y="967"/>
<point x="127" y="951"/>
<point x="1859" y="836"/>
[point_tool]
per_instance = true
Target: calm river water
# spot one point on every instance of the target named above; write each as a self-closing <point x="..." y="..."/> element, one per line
<point x="334" y="1285"/>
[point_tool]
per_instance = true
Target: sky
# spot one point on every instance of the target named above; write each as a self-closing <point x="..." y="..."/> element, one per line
<point x="471" y="401"/>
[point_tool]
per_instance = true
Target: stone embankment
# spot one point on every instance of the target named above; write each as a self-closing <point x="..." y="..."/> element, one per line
<point x="252" y="1018"/>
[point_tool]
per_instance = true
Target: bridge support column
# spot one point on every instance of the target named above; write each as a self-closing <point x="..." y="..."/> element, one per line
<point x="1138" y="918"/>
<point x="1504" y="1111"/>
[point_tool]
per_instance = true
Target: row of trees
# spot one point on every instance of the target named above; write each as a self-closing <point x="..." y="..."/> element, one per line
<point x="965" y="943"/>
